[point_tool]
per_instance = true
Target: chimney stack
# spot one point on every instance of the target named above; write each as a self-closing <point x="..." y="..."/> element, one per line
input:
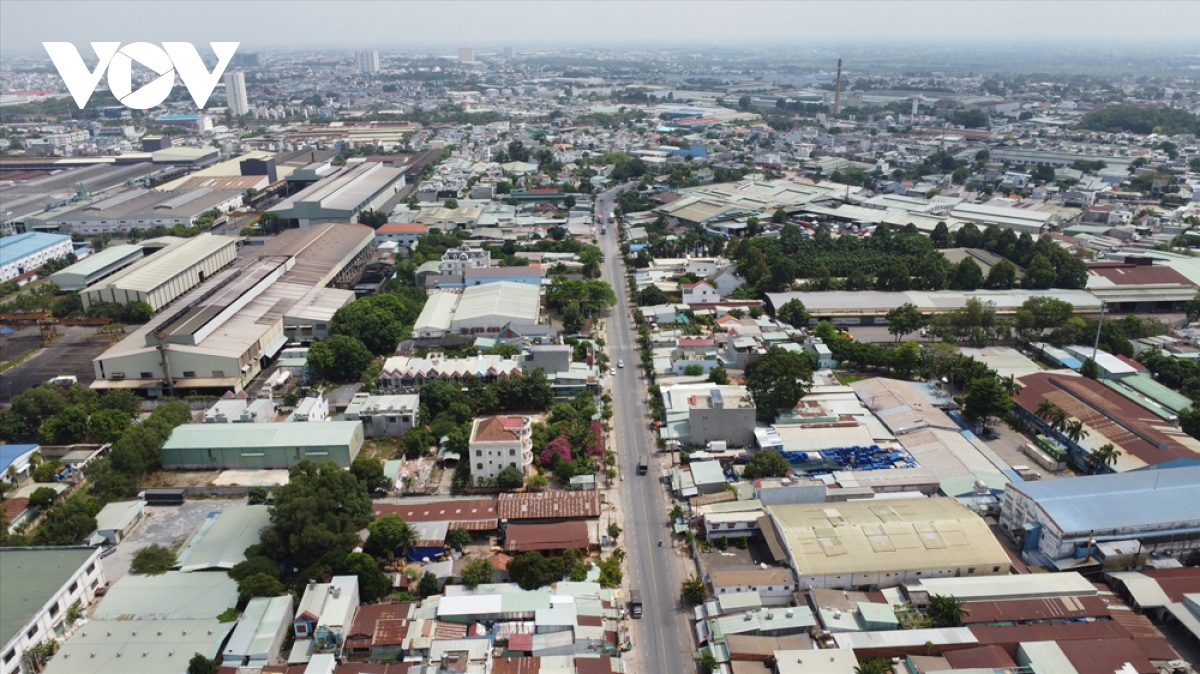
<point x="837" y="92"/>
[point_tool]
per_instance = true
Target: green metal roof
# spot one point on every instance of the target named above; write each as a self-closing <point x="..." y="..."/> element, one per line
<point x="173" y="595"/>
<point x="221" y="540"/>
<point x="246" y="436"/>
<point x="31" y="577"/>
<point x="1172" y="400"/>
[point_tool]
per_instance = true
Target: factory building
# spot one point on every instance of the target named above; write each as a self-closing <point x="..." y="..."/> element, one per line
<point x="24" y="253"/>
<point x="340" y="198"/>
<point x="248" y="446"/>
<point x="219" y="336"/>
<point x="161" y="278"/>
<point x="96" y="267"/>
<point x="136" y="208"/>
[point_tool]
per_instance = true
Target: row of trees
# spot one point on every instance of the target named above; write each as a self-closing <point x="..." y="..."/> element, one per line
<point x="1046" y="264"/>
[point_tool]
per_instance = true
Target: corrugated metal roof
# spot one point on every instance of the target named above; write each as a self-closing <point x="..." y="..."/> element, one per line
<point x="549" y="505"/>
<point x="514" y="301"/>
<point x="1134" y="499"/>
<point x="152" y="271"/>
<point x="221" y="541"/>
<point x="171" y="596"/>
<point x="246" y="436"/>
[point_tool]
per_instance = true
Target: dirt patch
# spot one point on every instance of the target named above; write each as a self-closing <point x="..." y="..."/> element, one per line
<point x="182" y="478"/>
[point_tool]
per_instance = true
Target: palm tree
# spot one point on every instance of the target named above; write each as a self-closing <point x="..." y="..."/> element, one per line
<point x="407" y="540"/>
<point x="1058" y="420"/>
<point x="1106" y="455"/>
<point x="946" y="611"/>
<point x="1074" y="431"/>
<point x="1045" y="410"/>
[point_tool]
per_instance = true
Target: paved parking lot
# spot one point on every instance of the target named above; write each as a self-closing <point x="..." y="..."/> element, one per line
<point x="70" y="354"/>
<point x="164" y="525"/>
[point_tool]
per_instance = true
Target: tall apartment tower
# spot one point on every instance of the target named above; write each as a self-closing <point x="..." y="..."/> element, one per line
<point x="466" y="54"/>
<point x="368" y="61"/>
<point x="235" y="92"/>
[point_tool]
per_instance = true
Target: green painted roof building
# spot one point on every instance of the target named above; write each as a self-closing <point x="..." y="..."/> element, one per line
<point x="268" y="445"/>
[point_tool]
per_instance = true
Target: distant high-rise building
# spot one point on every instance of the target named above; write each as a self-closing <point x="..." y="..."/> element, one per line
<point x="247" y="60"/>
<point x="235" y="93"/>
<point x="466" y="54"/>
<point x="508" y="52"/>
<point x="368" y="61"/>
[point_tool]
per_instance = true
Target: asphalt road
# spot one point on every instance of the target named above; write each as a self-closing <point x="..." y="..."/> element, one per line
<point x="71" y="353"/>
<point x="662" y="642"/>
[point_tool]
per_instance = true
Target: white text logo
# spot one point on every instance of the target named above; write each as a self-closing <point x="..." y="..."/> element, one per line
<point x="171" y="58"/>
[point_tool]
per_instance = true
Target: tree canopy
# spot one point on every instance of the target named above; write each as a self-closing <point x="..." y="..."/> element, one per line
<point x="778" y="381"/>
<point x="321" y="508"/>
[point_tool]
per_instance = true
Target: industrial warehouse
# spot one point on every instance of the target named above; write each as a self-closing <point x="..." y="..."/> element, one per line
<point x="219" y="337"/>
<point x="280" y="445"/>
<point x="159" y="279"/>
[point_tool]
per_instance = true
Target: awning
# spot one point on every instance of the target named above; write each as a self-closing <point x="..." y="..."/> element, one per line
<point x="772" y="538"/>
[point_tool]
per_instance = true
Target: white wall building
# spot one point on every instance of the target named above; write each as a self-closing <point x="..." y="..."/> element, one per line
<point x="23" y="253"/>
<point x="367" y="60"/>
<point x="39" y="587"/>
<point x="500" y="442"/>
<point x="235" y="93"/>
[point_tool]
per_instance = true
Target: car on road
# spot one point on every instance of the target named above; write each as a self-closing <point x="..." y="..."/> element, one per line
<point x="643" y="467"/>
<point x="612" y="372"/>
<point x="620" y="363"/>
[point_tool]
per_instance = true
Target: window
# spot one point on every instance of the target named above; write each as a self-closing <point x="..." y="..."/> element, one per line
<point x="971" y="569"/>
<point x="54" y="610"/>
<point x="479" y="466"/>
<point x="12" y="653"/>
<point x="91" y="568"/>
<point x="479" y="452"/>
<point x="146" y="375"/>
<point x="32" y="632"/>
<point x="512" y="452"/>
<point x="995" y="569"/>
<point x="217" y="374"/>
<point x="210" y="454"/>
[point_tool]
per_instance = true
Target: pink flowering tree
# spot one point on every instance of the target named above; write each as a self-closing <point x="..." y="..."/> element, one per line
<point x="560" y="447"/>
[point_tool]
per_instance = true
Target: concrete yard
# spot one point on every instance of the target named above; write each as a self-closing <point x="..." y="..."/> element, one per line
<point x="164" y="525"/>
<point x="251" y="478"/>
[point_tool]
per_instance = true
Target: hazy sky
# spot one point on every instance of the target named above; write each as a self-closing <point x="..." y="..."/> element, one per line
<point x="391" y="24"/>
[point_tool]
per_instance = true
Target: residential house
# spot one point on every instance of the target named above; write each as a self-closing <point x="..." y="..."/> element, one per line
<point x="326" y="611"/>
<point x="700" y="292"/>
<point x="774" y="586"/>
<point x="726" y="282"/>
<point x="499" y="442"/>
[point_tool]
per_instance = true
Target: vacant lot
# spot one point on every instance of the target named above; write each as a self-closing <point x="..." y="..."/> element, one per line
<point x="164" y="525"/>
<point x="70" y="354"/>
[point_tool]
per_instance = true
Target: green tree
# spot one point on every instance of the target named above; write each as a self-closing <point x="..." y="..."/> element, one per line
<point x="874" y="666"/>
<point x="572" y="319"/>
<point x="107" y="426"/>
<point x="369" y="471"/>
<point x="1040" y="274"/>
<point x="766" y="463"/>
<point x="693" y="590"/>
<point x="794" y="314"/>
<point x="256" y="495"/>
<point x="372" y="218"/>
<point x="68" y="427"/>
<point x="152" y="560"/>
<point x="614" y="532"/>
<point x="429" y="585"/>
<point x="199" y="664"/>
<point x="779" y="216"/>
<point x="42" y="498"/>
<point x="940" y="235"/>
<point x="693" y="370"/>
<point x="1002" y="276"/>
<point x="451" y="203"/>
<point x="458" y="538"/>
<point x="477" y="572"/>
<point x="67" y="523"/>
<point x="1106" y="455"/>
<point x="1090" y="369"/>
<point x="12" y="426"/>
<point x="510" y="478"/>
<point x="339" y="358"/>
<point x="373" y="583"/>
<point x="718" y="375"/>
<point x="259" y="585"/>
<point x="946" y="611"/>
<point x="533" y="570"/>
<point x="708" y="663"/>
<point x="320" y="508"/>
<point x="985" y="399"/>
<point x="905" y="320"/>
<point x="778" y="381"/>
<point x="390" y="534"/>
<point x="892" y="277"/>
<point x="967" y="275"/>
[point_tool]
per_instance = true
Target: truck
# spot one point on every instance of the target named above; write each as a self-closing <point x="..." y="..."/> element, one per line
<point x="643" y="467"/>
<point x="635" y="603"/>
<point x="164" y="497"/>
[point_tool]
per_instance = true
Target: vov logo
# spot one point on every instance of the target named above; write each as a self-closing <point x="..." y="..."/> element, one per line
<point x="171" y="58"/>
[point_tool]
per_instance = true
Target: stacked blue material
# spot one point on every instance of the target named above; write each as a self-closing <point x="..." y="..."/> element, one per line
<point x="873" y="457"/>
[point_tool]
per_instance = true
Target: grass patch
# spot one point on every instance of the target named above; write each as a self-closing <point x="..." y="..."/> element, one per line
<point x="847" y="378"/>
<point x="19" y="359"/>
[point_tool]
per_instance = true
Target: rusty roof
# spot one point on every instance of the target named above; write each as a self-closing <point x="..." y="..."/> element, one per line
<point x="1106" y="655"/>
<point x="1051" y="608"/>
<point x="446" y="630"/>
<point x="1011" y="635"/>
<point x="389" y="632"/>
<point x="600" y="665"/>
<point x="1176" y="582"/>
<point x="1120" y="420"/>
<point x="521" y="641"/>
<point x="549" y="505"/>
<point x="562" y="536"/>
<point x="985" y="657"/>
<point x="516" y="665"/>
<point x="367" y="617"/>
<point x="14" y="507"/>
<point x="495" y="429"/>
<point x="448" y="510"/>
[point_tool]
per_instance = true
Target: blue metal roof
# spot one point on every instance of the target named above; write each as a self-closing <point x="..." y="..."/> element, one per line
<point x="18" y="246"/>
<point x="10" y="453"/>
<point x="1133" y="499"/>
